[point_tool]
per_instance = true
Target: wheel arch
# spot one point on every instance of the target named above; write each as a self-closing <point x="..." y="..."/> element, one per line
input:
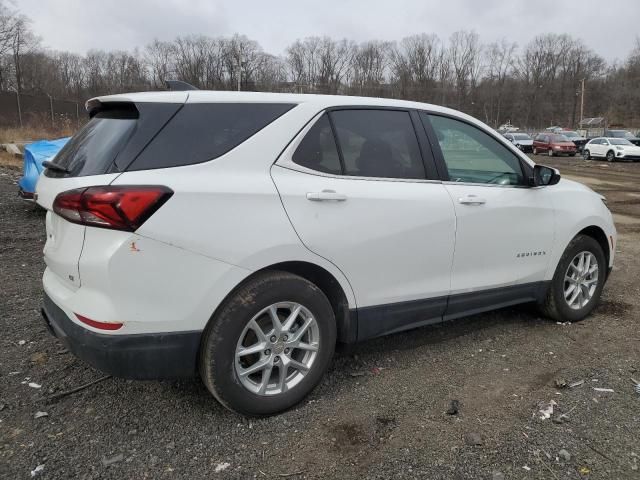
<point x="346" y="322"/>
<point x="599" y="236"/>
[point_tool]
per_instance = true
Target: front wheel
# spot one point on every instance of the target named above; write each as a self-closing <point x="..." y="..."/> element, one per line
<point x="586" y="155"/>
<point x="550" y="152"/>
<point x="577" y="282"/>
<point x="610" y="156"/>
<point x="268" y="345"/>
<point x="535" y="151"/>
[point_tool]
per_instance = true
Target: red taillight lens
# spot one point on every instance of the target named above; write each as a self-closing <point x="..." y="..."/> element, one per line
<point x="99" y="325"/>
<point x="122" y="207"/>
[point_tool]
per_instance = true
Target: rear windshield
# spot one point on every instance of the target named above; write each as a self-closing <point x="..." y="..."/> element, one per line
<point x="93" y="149"/>
<point x="204" y="131"/>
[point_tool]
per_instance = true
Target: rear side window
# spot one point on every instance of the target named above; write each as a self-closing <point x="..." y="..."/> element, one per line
<point x="94" y="148"/>
<point x="203" y="131"/>
<point x="378" y="143"/>
<point x="318" y="150"/>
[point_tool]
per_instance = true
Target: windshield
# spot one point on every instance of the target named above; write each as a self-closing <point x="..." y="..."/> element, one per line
<point x="621" y="134"/>
<point x="559" y="138"/>
<point x="571" y="134"/>
<point x="521" y="136"/>
<point x="620" y="141"/>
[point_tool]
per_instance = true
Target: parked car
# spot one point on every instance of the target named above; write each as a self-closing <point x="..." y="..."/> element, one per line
<point x="553" y="144"/>
<point x="622" y="134"/>
<point x="521" y="140"/>
<point x="241" y="235"/>
<point x="578" y="140"/>
<point x="611" y="149"/>
<point x="34" y="154"/>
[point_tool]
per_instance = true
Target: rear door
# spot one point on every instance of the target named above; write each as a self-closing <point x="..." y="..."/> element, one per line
<point x="116" y="133"/>
<point x="355" y="188"/>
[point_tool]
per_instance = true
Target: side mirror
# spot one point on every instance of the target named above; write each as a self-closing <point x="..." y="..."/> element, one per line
<point x="544" y="176"/>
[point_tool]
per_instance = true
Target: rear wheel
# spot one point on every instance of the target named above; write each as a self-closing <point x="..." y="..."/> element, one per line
<point x="268" y="345"/>
<point x="586" y="155"/>
<point x="610" y="156"/>
<point x="578" y="281"/>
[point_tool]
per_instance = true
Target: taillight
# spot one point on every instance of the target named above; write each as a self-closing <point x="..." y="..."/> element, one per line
<point x="122" y="207"/>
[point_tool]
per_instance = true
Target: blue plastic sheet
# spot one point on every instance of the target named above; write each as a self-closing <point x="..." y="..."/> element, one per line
<point x="34" y="154"/>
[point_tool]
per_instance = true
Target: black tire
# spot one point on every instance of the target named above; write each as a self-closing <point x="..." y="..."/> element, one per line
<point x="610" y="156"/>
<point x="586" y="155"/>
<point x="554" y="304"/>
<point x="219" y="341"/>
<point x="550" y="152"/>
<point x="535" y="151"/>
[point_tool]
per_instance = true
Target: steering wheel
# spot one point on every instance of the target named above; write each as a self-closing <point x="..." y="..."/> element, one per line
<point x="503" y="178"/>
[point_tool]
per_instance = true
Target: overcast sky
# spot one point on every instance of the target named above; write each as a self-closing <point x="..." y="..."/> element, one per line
<point x="609" y="27"/>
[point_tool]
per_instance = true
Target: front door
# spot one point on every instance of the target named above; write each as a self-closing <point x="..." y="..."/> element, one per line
<point x="505" y="228"/>
<point x="355" y="188"/>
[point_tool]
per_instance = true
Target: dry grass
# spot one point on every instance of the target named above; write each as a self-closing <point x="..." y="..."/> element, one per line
<point x="36" y="131"/>
<point x="32" y="133"/>
<point x="8" y="160"/>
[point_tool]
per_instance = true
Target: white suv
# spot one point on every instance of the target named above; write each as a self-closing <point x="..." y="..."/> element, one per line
<point x="241" y="235"/>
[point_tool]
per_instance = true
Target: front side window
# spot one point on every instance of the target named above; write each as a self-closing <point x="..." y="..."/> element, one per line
<point x="473" y="156"/>
<point x="378" y="143"/>
<point x="318" y="150"/>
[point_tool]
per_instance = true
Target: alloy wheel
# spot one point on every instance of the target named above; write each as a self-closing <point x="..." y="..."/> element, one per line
<point x="277" y="348"/>
<point x="581" y="280"/>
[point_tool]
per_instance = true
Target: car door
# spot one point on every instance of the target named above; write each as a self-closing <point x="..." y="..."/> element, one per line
<point x="505" y="228"/>
<point x="354" y="186"/>
<point x="600" y="147"/>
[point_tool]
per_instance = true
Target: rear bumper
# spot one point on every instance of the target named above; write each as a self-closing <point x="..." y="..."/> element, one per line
<point x="135" y="356"/>
<point x="26" y="195"/>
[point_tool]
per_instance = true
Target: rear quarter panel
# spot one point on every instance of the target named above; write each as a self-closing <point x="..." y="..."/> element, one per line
<point x="229" y="210"/>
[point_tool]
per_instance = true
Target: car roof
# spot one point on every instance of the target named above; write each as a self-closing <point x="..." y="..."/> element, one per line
<point x="217" y="96"/>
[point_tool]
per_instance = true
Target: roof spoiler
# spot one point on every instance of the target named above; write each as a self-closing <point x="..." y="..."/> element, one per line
<point x="178" y="85"/>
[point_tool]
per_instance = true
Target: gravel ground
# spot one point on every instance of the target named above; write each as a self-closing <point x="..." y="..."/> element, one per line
<point x="379" y="413"/>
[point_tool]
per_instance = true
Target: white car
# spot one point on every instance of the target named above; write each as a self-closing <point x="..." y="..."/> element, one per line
<point x="521" y="140"/>
<point x="611" y="149"/>
<point x="241" y="235"/>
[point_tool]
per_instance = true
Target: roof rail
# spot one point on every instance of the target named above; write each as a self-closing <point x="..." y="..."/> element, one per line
<point x="178" y="85"/>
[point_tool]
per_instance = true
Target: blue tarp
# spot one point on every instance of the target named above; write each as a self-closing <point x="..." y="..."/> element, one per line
<point x="34" y="154"/>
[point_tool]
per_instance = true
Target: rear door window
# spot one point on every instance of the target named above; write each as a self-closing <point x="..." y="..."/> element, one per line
<point x="203" y="131"/>
<point x="378" y="143"/>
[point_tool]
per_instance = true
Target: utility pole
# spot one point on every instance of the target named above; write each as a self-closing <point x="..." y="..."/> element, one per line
<point x="582" y="102"/>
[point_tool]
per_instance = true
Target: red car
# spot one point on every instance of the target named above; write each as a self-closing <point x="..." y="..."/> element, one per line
<point x="553" y="144"/>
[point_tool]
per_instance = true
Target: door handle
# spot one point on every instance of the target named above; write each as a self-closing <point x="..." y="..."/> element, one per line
<point x="326" y="195"/>
<point x="472" y="200"/>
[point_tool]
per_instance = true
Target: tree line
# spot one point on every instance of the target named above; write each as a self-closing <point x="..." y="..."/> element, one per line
<point x="534" y="85"/>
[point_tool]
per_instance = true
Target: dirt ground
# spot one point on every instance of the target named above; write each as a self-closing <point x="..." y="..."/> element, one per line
<point x="379" y="413"/>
